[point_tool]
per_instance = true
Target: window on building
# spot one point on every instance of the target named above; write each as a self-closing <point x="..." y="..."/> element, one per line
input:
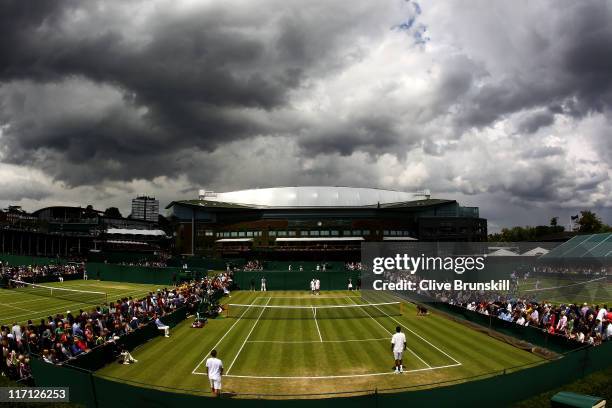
<point x="292" y="233"/>
<point x="324" y="233"/>
<point x="335" y="233"/>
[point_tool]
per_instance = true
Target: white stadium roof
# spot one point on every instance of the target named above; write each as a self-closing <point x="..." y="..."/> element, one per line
<point x="313" y="196"/>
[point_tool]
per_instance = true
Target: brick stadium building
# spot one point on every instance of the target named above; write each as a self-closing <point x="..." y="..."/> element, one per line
<point x="311" y="222"/>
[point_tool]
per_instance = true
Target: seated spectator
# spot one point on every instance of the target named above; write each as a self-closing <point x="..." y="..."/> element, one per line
<point x="161" y="326"/>
<point x="126" y="357"/>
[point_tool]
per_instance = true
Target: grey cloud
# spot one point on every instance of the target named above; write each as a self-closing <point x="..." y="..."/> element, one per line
<point x="113" y="98"/>
<point x="535" y="121"/>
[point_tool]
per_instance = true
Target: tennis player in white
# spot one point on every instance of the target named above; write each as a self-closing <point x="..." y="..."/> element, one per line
<point x="398" y="345"/>
<point x="214" y="369"/>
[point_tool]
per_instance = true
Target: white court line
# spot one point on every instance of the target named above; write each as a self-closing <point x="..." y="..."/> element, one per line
<point x="335" y="376"/>
<point x="383" y="327"/>
<point x="248" y="335"/>
<point x="221" y="339"/>
<point x="18" y="308"/>
<point x="316" y="341"/>
<point x="314" y="313"/>
<point x="419" y="336"/>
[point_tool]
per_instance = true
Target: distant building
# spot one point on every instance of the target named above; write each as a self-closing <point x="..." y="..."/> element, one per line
<point x="145" y="208"/>
<point x="76" y="231"/>
<point x="318" y="222"/>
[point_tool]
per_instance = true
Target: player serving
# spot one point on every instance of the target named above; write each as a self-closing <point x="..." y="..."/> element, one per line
<point x="398" y="345"/>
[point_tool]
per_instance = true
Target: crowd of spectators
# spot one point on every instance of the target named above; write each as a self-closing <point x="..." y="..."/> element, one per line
<point x="570" y="271"/>
<point x="585" y="323"/>
<point x="353" y="266"/>
<point x="590" y="324"/>
<point x="150" y="263"/>
<point x="62" y="337"/>
<point x="253" y="265"/>
<point x="36" y="273"/>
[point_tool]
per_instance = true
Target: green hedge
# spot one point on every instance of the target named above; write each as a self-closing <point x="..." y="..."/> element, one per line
<point x="134" y="274"/>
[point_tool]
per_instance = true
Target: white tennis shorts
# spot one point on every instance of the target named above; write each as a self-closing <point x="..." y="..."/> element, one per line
<point x="398" y="355"/>
<point x="215" y="383"/>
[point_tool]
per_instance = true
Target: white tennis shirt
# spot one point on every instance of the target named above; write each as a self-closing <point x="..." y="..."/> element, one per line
<point x="214" y="366"/>
<point x="398" y="340"/>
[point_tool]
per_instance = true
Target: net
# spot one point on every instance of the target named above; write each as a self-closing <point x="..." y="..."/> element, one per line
<point x="81" y="296"/>
<point x="283" y="312"/>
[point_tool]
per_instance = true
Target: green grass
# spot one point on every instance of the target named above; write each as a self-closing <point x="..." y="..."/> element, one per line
<point x="305" y="356"/>
<point x="17" y="305"/>
<point x="563" y="290"/>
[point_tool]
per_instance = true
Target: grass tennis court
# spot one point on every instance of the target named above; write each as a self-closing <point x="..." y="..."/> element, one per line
<point x="265" y="351"/>
<point x="19" y="306"/>
<point x="594" y="290"/>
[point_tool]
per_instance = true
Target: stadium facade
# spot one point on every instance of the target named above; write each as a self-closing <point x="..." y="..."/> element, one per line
<point x="304" y="222"/>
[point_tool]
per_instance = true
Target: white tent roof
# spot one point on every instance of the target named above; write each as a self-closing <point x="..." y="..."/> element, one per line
<point x="503" y="252"/>
<point x="536" y="252"/>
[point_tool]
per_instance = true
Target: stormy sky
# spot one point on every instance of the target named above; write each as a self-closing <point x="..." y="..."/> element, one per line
<point x="502" y="105"/>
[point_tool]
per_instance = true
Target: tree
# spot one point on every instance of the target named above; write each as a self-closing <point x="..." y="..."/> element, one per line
<point x="89" y="212"/>
<point x="554" y="221"/>
<point x="589" y="222"/>
<point x="113" y="212"/>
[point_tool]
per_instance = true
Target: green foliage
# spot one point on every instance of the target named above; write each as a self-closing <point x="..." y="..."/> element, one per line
<point x="113" y="212"/>
<point x="590" y="223"/>
<point x="527" y="233"/>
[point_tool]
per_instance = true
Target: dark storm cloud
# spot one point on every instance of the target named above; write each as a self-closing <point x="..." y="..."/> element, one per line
<point x="570" y="69"/>
<point x="95" y="91"/>
<point x="195" y="75"/>
<point x="535" y="121"/>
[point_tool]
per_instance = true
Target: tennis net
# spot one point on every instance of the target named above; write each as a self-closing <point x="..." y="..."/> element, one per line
<point x="285" y="312"/>
<point x="81" y="296"/>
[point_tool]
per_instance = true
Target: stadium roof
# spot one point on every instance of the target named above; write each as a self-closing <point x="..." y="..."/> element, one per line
<point x="311" y="197"/>
<point x="584" y="246"/>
